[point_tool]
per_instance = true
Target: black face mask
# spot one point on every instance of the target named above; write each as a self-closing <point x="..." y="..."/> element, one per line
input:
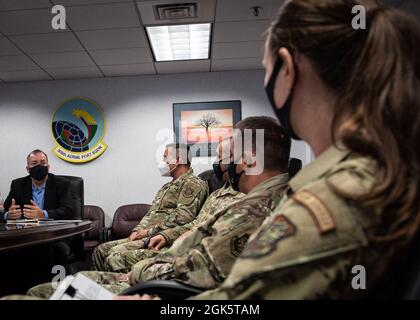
<point x="218" y="170"/>
<point x="38" y="172"/>
<point x="233" y="176"/>
<point x="283" y="114"/>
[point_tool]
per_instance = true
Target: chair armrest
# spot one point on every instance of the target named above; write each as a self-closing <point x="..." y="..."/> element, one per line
<point x="165" y="289"/>
<point x="105" y="235"/>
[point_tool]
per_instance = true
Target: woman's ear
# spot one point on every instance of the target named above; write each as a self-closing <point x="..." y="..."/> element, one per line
<point x="286" y="78"/>
<point x="288" y="65"/>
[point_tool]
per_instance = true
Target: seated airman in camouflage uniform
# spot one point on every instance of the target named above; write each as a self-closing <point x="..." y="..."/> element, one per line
<point x="349" y="216"/>
<point x="204" y="258"/>
<point x="218" y="200"/>
<point x="176" y="204"/>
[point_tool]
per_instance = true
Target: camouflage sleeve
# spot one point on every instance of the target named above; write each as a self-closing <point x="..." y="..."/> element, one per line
<point x="144" y="222"/>
<point x="208" y="263"/>
<point x="191" y="198"/>
<point x="150" y="216"/>
<point x="249" y="273"/>
<point x="156" y="268"/>
<point x="174" y="233"/>
<point x="304" y="250"/>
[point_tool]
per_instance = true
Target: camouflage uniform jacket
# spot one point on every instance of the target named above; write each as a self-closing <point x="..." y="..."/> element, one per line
<point x="217" y="201"/>
<point x="309" y="246"/>
<point x="177" y="203"/>
<point x="206" y="256"/>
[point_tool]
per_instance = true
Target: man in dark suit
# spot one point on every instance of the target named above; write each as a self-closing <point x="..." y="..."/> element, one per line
<point x="40" y="195"/>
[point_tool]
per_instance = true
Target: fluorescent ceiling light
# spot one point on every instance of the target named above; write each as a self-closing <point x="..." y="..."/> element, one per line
<point x="180" y="42"/>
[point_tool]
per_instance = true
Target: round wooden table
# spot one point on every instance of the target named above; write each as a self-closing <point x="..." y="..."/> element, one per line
<point x="17" y="236"/>
<point x="26" y="254"/>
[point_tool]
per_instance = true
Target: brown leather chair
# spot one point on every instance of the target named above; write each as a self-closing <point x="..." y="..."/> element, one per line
<point x="71" y="249"/>
<point x="77" y="195"/>
<point x="125" y="220"/>
<point x="93" y="236"/>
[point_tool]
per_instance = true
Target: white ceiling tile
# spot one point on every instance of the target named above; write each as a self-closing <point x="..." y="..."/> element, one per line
<point x="26" y="22"/>
<point x="23" y="4"/>
<point x="63" y="60"/>
<point x="121" y="56"/>
<point x="183" y="66"/>
<point x="111" y="31"/>
<point x="236" y="64"/>
<point x="249" y="49"/>
<point x="75" y="73"/>
<point x="113" y="38"/>
<point x="14" y="63"/>
<point x="47" y="42"/>
<point x="24" y="75"/>
<point x="128" y="70"/>
<point x="240" y="10"/>
<point x="147" y="11"/>
<point x="7" y="48"/>
<point x="240" y="31"/>
<point x="107" y="16"/>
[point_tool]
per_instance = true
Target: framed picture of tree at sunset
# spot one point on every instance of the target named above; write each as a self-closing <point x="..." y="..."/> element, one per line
<point x="202" y="125"/>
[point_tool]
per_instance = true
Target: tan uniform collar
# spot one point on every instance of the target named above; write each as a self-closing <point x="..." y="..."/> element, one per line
<point x="188" y="173"/>
<point x="227" y="189"/>
<point x="269" y="183"/>
<point x="319" y="166"/>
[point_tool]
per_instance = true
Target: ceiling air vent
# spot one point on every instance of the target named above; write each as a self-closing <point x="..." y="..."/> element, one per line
<point x="176" y="11"/>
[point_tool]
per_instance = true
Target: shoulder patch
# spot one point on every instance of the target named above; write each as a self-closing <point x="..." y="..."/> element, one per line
<point x="188" y="192"/>
<point x="319" y="212"/>
<point x="266" y="240"/>
<point x="237" y="244"/>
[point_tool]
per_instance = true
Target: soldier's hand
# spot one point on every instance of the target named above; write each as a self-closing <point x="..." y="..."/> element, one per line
<point x="137" y="235"/>
<point x="125" y="277"/>
<point x="132" y="236"/>
<point x="14" y="211"/>
<point x="32" y="211"/>
<point x="157" y="242"/>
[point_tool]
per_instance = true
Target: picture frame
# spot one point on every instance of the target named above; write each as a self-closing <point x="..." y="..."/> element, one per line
<point x="202" y="125"/>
